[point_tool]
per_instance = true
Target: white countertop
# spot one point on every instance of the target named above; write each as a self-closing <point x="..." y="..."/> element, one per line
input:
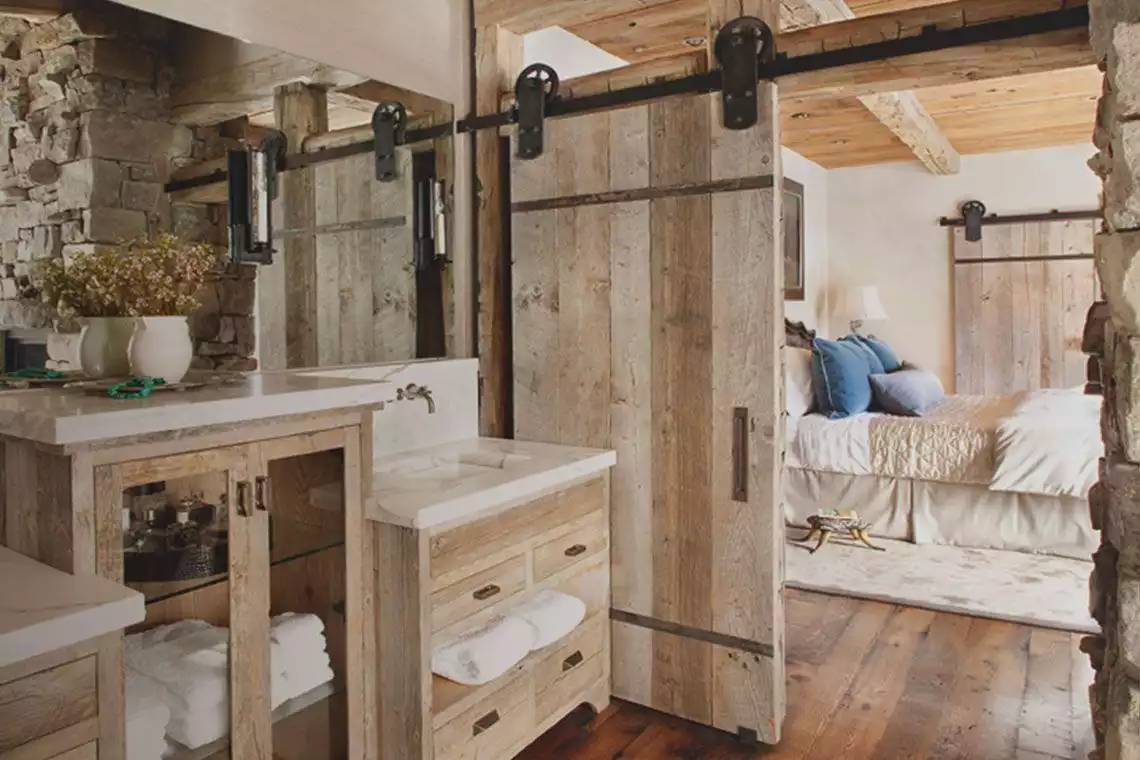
<point x="63" y="416"/>
<point x="43" y="609"/>
<point x="454" y="482"/>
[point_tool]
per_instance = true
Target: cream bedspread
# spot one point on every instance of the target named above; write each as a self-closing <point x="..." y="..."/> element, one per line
<point x="954" y="443"/>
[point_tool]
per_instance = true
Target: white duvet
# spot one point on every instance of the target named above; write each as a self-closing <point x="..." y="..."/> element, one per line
<point x="1050" y="444"/>
<point x="1040" y="442"/>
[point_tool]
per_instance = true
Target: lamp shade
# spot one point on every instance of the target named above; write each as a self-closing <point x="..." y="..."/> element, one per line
<point x="863" y="303"/>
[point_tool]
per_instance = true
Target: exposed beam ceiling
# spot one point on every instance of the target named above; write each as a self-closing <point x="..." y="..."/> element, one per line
<point x="900" y="112"/>
<point x="35" y="11"/>
<point x="248" y="88"/>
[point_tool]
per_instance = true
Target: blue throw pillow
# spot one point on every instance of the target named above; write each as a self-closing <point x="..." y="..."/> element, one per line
<point x="840" y="372"/>
<point x="886" y="354"/>
<point x="907" y="393"/>
<point x="877" y="366"/>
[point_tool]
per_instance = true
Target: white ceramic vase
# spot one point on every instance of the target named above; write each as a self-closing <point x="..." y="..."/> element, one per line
<point x="161" y="347"/>
<point x="103" y="344"/>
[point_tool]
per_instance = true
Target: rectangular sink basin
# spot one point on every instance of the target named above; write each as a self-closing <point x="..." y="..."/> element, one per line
<point x="455" y="468"/>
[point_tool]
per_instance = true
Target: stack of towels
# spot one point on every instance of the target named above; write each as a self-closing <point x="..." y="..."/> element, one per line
<point x="481" y="655"/>
<point x="147" y="716"/>
<point x="184" y="668"/>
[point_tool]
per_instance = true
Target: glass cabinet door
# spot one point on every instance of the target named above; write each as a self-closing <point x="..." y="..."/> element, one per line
<point x="197" y="548"/>
<point x="302" y="482"/>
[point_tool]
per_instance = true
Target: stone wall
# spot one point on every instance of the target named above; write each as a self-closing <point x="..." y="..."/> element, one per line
<point x="1112" y="338"/>
<point x="86" y="145"/>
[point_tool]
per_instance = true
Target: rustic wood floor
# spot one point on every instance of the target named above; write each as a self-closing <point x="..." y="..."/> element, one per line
<point x="882" y="682"/>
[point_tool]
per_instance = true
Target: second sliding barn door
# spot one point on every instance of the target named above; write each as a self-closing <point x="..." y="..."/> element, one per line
<point x="1020" y="297"/>
<point x="647" y="289"/>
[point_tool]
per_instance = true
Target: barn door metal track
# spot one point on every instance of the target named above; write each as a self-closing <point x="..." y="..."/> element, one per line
<point x="771" y="67"/>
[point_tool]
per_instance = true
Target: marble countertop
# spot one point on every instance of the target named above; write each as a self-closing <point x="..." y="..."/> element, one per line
<point x="68" y="416"/>
<point x="455" y="482"/>
<point x="43" y="609"/>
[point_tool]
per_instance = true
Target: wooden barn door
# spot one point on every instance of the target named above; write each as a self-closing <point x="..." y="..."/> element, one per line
<point x="647" y="311"/>
<point x="347" y="281"/>
<point x="1020" y="297"/>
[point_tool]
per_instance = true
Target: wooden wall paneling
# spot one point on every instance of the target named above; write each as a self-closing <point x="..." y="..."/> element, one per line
<point x="300" y="111"/>
<point x="969" y="363"/>
<point x="389" y="264"/>
<point x="498" y="60"/>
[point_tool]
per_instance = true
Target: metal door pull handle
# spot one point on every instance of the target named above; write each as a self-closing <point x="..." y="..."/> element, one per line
<point x="486" y="592"/>
<point x="575" y="550"/>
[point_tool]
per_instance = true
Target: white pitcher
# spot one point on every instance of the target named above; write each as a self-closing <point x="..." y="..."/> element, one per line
<point x="161" y="347"/>
<point x="103" y="343"/>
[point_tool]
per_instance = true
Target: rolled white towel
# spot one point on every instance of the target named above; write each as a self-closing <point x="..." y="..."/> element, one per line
<point x="483" y="654"/>
<point x="553" y="615"/>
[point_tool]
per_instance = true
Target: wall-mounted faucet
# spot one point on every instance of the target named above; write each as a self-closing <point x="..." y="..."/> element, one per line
<point x="413" y="391"/>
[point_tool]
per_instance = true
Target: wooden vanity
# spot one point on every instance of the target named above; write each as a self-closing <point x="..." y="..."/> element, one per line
<point x="507" y="520"/>
<point x="256" y="450"/>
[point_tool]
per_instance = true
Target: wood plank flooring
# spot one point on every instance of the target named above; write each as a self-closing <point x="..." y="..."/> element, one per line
<point x="882" y="682"/>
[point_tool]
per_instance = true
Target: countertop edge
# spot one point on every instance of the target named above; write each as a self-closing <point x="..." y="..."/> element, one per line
<point x="489" y="499"/>
<point x="85" y="624"/>
<point x="64" y="431"/>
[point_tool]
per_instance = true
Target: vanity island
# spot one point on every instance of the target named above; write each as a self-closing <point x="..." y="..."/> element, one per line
<point x="360" y="497"/>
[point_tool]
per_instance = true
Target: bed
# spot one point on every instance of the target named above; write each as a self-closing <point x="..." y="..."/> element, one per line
<point x="1001" y="472"/>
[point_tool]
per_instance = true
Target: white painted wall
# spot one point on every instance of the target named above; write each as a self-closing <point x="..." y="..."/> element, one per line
<point x="813" y="310"/>
<point x="883" y="230"/>
<point x="570" y="55"/>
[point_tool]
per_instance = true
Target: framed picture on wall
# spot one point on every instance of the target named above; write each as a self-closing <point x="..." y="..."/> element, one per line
<point x="793" y="240"/>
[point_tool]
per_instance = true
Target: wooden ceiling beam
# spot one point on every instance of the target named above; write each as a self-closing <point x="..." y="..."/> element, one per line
<point x="248" y="88"/>
<point x="900" y="112"/>
<point x="1025" y="55"/>
<point x="35" y="11"/>
<point x="373" y="92"/>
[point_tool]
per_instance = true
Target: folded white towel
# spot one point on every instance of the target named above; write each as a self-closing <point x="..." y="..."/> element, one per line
<point x="145" y="747"/>
<point x="292" y="625"/>
<point x="553" y="615"/>
<point x="301" y="648"/>
<point x="483" y="654"/>
<point x="193" y="670"/>
<point x="193" y="728"/>
<point x="306" y="679"/>
<point x="144" y="700"/>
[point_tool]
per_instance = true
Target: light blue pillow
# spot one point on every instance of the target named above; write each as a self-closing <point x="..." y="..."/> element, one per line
<point x="907" y="393"/>
<point x="886" y="354"/>
<point x="877" y="366"/>
<point x="840" y="372"/>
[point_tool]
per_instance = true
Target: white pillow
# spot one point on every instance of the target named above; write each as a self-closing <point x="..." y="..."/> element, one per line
<point x="800" y="392"/>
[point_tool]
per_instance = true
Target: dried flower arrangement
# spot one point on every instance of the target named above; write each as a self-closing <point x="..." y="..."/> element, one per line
<point x="142" y="278"/>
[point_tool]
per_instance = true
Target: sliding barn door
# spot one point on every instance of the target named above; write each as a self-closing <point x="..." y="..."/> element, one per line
<point x="1020" y="297"/>
<point x="647" y="290"/>
<point x="346" y="280"/>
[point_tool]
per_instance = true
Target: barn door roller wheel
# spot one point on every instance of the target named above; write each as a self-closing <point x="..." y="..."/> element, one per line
<point x="972" y="212"/>
<point x="535" y="89"/>
<point x="389" y="127"/>
<point x="739" y="46"/>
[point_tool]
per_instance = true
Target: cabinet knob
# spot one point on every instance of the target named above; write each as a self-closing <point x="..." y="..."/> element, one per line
<point x="486" y="592"/>
<point x="485" y="722"/>
<point x="575" y="550"/>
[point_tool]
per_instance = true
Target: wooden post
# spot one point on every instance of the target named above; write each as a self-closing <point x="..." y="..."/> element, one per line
<point x="498" y="60"/>
<point x="286" y="290"/>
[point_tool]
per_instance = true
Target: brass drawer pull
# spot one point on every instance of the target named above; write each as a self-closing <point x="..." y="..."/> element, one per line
<point x="261" y="492"/>
<point x="486" y="592"/>
<point x="485" y="722"/>
<point x="243" y="498"/>
<point x="575" y="550"/>
<point x="572" y="661"/>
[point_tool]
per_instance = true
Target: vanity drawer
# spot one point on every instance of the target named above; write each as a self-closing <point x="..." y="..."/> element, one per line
<point x="486" y="730"/>
<point x="571" y="667"/>
<point x="514" y="529"/>
<point x="477" y="592"/>
<point x="564" y="551"/>
<point x="46" y="702"/>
